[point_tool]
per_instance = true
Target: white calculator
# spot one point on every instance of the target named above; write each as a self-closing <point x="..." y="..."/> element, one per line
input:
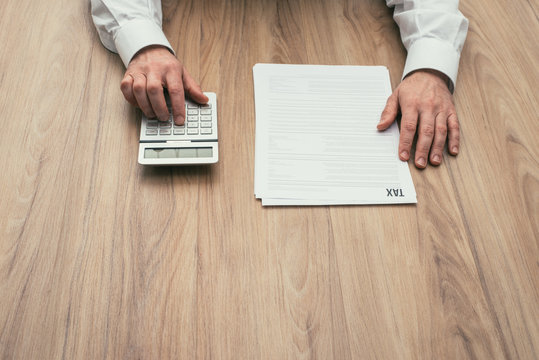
<point x="194" y="142"/>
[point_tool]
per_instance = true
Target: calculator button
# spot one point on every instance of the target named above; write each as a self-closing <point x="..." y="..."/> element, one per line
<point x="151" y="132"/>
<point x="165" y="125"/>
<point x="151" y="124"/>
<point x="179" y="131"/>
<point x="192" y="125"/>
<point x="205" y="112"/>
<point x="179" y="126"/>
<point x="205" y="131"/>
<point x="205" y="118"/>
<point x="192" y="112"/>
<point x="192" y="106"/>
<point x="205" y="106"/>
<point x="164" y="132"/>
<point x="205" y="124"/>
<point x="192" y="131"/>
<point x="192" y="118"/>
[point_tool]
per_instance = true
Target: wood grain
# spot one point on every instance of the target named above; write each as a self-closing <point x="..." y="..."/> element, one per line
<point x="103" y="258"/>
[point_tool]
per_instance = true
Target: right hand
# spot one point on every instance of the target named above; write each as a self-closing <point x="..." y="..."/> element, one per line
<point x="153" y="69"/>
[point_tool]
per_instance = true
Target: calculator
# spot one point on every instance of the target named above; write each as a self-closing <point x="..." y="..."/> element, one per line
<point x="194" y="142"/>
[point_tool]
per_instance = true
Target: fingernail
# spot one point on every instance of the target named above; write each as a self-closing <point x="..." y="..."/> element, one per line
<point x="421" y="162"/>
<point x="436" y="159"/>
<point x="455" y="149"/>
<point x="404" y="155"/>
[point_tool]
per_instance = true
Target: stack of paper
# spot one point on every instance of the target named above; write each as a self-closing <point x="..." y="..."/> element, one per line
<point x="316" y="137"/>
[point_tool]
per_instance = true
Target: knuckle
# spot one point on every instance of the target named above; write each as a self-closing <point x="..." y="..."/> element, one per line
<point x="175" y="90"/>
<point x="430" y="108"/>
<point x="171" y="65"/>
<point x="125" y="82"/>
<point x="409" y="126"/>
<point x="138" y="87"/>
<point x="441" y="130"/>
<point x="387" y="112"/>
<point x="410" y="102"/>
<point x="391" y="100"/>
<point x="427" y="130"/>
<point x="431" y="99"/>
<point x="124" y="87"/>
<point x="154" y="89"/>
<point x="453" y="126"/>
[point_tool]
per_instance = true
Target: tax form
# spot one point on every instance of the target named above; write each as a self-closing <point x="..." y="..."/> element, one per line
<point x="316" y="138"/>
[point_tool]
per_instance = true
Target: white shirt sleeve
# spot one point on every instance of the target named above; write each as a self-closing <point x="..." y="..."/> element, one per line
<point x="433" y="32"/>
<point x="126" y="26"/>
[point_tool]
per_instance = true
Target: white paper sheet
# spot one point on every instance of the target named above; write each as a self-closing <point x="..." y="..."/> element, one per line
<point x="316" y="137"/>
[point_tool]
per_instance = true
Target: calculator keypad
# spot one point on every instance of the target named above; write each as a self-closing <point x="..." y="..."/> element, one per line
<point x="200" y="123"/>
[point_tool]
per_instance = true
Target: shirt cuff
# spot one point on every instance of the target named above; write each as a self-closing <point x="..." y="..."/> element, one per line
<point x="137" y="34"/>
<point x="430" y="53"/>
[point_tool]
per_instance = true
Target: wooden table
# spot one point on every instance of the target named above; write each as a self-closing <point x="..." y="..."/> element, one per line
<point x="103" y="258"/>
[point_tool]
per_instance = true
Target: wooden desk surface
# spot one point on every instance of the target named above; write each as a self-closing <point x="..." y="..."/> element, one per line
<point x="103" y="258"/>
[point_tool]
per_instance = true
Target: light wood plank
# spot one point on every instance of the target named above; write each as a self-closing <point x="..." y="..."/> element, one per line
<point x="102" y="258"/>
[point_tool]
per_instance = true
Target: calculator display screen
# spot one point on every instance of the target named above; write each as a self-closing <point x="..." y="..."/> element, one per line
<point x="178" y="153"/>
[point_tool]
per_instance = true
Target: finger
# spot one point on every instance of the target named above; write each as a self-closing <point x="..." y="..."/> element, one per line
<point x="193" y="89"/>
<point x="127" y="89"/>
<point x="424" y="138"/>
<point x="154" y="88"/>
<point x="453" y="134"/>
<point x="139" y="90"/>
<point x="177" y="97"/>
<point x="390" y="112"/>
<point x="408" y="128"/>
<point x="440" y="135"/>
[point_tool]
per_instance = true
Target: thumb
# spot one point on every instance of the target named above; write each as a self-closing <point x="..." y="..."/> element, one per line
<point x="390" y="112"/>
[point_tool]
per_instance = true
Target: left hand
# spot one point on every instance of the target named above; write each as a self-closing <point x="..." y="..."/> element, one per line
<point x="426" y="105"/>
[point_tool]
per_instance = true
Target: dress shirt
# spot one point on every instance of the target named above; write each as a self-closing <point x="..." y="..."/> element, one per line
<point x="433" y="31"/>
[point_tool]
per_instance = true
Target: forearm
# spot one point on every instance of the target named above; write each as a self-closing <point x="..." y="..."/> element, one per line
<point x="127" y="26"/>
<point x="433" y="32"/>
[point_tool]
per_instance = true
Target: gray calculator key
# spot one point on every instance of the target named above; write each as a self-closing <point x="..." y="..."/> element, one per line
<point x="205" y="118"/>
<point x="192" y="112"/>
<point x="165" y="125"/>
<point x="151" y="131"/>
<point x="205" y="124"/>
<point x="192" y="106"/>
<point x="179" y="131"/>
<point x="192" y="125"/>
<point x="192" y="131"/>
<point x="164" y="132"/>
<point x="205" y="112"/>
<point x="205" y="106"/>
<point x="151" y="124"/>
<point x="205" y="131"/>
<point x="192" y="118"/>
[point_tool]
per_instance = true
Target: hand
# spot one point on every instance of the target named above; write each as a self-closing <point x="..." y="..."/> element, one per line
<point x="423" y="98"/>
<point x="150" y="71"/>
